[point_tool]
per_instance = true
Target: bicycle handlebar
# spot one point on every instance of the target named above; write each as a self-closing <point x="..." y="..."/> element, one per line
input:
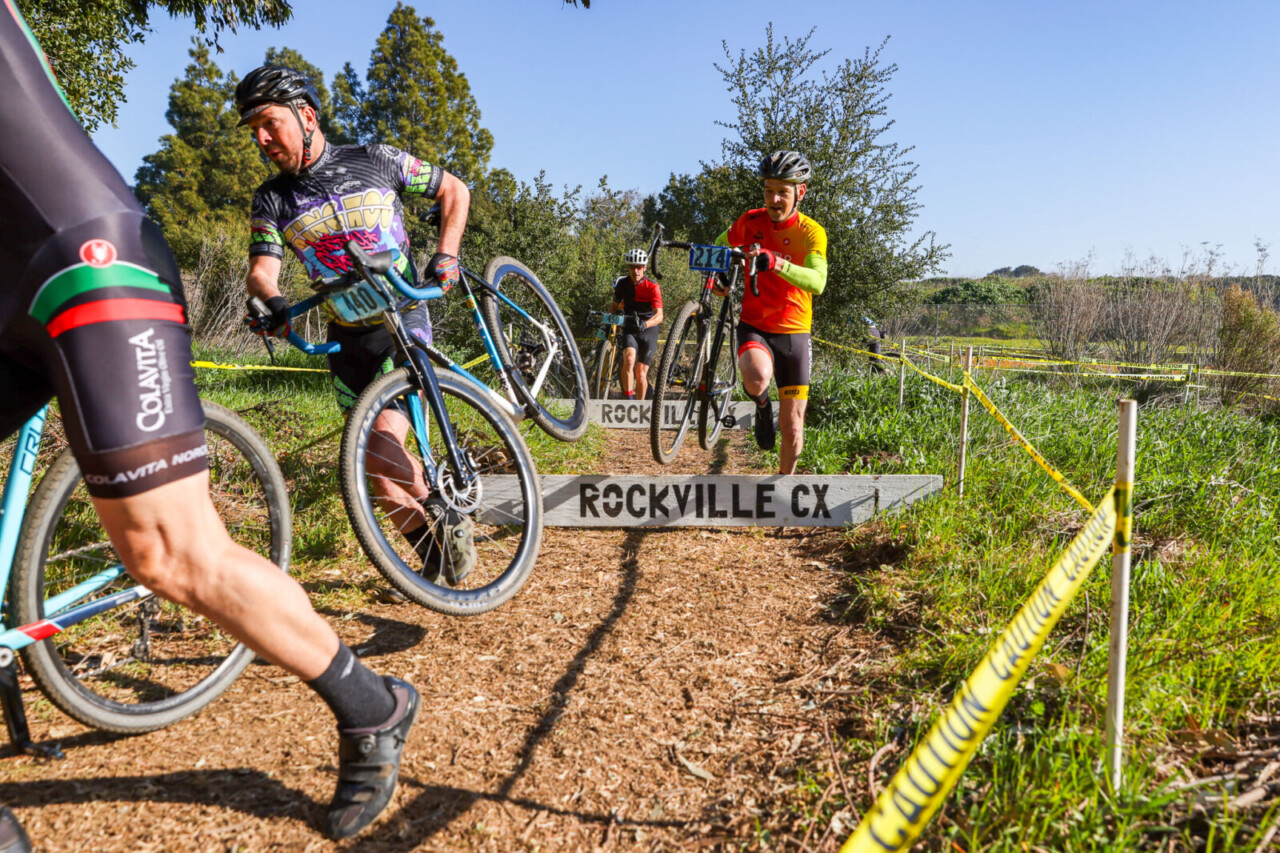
<point x="381" y="263"/>
<point x="736" y="254"/>
<point x="366" y="266"/>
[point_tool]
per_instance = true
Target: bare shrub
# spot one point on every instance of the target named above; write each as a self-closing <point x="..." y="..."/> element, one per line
<point x="215" y="290"/>
<point x="1248" y="341"/>
<point x="1067" y="311"/>
<point x="1153" y="314"/>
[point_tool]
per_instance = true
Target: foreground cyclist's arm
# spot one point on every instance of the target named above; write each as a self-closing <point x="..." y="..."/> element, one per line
<point x="810" y="277"/>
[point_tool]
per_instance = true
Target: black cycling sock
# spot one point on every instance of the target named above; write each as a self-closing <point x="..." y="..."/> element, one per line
<point x="357" y="695"/>
<point x="761" y="399"/>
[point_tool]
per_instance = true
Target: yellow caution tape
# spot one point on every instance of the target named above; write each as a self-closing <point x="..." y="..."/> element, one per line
<point x="928" y="776"/>
<point x="473" y="362"/>
<point x="1026" y="445"/>
<point x="212" y="366"/>
<point x="1211" y="372"/>
<point x="944" y="383"/>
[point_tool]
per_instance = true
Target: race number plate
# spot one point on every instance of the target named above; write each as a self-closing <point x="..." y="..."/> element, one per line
<point x="709" y="258"/>
<point x="357" y="303"/>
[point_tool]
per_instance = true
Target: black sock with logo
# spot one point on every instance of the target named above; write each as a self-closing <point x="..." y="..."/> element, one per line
<point x="357" y="695"/>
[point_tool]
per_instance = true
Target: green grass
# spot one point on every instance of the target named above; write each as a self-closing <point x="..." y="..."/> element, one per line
<point x="1205" y="607"/>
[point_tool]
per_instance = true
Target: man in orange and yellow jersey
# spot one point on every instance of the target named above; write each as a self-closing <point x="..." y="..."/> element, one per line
<point x="774" y="330"/>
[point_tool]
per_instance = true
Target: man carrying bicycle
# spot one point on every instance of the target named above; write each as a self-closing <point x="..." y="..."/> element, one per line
<point x="774" y="330"/>
<point x="324" y="196"/>
<point x="92" y="310"/>
<point x="640" y="299"/>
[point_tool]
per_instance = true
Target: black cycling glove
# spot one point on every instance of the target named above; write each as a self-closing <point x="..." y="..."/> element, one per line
<point x="276" y="323"/>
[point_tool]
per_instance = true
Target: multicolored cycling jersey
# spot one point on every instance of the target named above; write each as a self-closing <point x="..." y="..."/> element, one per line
<point x="349" y="192"/>
<point x="785" y="303"/>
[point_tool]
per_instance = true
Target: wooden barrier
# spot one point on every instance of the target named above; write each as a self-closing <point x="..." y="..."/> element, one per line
<point x="701" y="500"/>
<point x="637" y="414"/>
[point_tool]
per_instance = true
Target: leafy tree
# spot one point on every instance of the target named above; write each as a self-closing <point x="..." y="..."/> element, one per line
<point x="863" y="189"/>
<point x="290" y="58"/>
<point x="85" y="40"/>
<point x="987" y="291"/>
<point x="207" y="168"/>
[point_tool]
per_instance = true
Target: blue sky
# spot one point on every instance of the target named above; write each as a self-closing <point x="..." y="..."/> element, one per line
<point x="1046" y="133"/>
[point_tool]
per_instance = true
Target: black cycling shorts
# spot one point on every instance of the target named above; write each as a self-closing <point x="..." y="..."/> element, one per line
<point x="644" y="343"/>
<point x="369" y="352"/>
<point x="792" y="355"/>
<point x="91" y="305"/>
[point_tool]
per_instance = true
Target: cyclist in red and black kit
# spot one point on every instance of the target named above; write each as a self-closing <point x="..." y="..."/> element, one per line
<point x="92" y="311"/>
<point x="640" y="299"/>
<point x="774" y="331"/>
<point x="324" y="196"/>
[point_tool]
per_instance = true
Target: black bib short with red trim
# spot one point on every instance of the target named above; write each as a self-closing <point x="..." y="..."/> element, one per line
<point x="91" y="306"/>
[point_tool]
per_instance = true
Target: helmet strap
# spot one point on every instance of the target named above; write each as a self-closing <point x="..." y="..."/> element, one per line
<point x="306" y="135"/>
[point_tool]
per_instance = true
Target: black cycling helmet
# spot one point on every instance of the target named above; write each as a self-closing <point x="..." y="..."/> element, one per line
<point x="789" y="166"/>
<point x="274" y="84"/>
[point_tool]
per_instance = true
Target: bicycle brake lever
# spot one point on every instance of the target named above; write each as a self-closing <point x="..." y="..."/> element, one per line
<point x="257" y="310"/>
<point x="751" y="276"/>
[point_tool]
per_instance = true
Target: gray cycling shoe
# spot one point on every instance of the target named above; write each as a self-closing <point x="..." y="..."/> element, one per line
<point x="452" y="551"/>
<point x="369" y="765"/>
<point x="12" y="837"/>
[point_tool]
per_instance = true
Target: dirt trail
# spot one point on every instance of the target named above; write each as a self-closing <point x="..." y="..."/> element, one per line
<point x="650" y="689"/>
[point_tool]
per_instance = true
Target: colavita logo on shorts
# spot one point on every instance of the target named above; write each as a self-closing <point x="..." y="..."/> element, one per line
<point x="154" y="399"/>
<point x="98" y="253"/>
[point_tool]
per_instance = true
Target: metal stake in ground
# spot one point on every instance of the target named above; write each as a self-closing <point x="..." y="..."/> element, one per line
<point x="1126" y="448"/>
<point x="964" y="420"/>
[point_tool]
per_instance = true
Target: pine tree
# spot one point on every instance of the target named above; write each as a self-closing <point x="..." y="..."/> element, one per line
<point x="415" y="98"/>
<point x="207" y="168"/>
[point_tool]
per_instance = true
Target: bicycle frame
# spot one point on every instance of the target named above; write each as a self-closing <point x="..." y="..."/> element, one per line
<point x="63" y="610"/>
<point x="507" y="401"/>
<point x="62" y="606"/>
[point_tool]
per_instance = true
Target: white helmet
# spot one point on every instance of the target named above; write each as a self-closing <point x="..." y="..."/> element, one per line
<point x="636" y="257"/>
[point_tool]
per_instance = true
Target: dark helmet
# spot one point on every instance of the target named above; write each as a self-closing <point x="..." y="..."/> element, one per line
<point x="273" y="84"/>
<point x="789" y="166"/>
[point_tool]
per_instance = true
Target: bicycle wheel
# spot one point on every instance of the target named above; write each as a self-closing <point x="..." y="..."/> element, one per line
<point x="552" y="384"/>
<point x="603" y="369"/>
<point x="382" y="482"/>
<point x="722" y="371"/>
<point x="150" y="663"/>
<point x="676" y="390"/>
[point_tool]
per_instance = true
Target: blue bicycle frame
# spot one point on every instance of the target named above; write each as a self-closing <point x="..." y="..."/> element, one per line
<point x="510" y="403"/>
<point x="61" y="610"/>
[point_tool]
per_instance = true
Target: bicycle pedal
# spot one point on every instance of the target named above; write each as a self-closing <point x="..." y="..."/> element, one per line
<point x="729" y="421"/>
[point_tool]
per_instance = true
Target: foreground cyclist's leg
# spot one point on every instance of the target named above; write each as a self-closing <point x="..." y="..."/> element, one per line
<point x="94" y="305"/>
